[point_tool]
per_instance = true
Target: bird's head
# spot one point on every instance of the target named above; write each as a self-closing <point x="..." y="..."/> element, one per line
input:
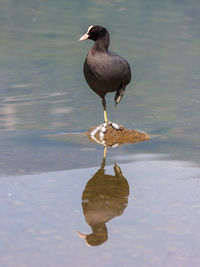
<point x="95" y="32"/>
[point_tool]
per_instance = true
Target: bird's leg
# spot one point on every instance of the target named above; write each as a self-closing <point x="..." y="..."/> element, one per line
<point x="104" y="109"/>
<point x="101" y="129"/>
<point x="113" y="124"/>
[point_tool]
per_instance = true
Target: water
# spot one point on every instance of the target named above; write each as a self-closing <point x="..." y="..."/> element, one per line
<point x="44" y="172"/>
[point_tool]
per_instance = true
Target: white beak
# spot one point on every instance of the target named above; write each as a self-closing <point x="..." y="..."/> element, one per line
<point x="84" y="37"/>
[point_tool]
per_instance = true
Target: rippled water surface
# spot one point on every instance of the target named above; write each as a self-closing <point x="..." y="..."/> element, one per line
<point x="54" y="185"/>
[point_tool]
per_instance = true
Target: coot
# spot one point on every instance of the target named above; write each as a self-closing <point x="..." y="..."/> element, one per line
<point x="104" y="70"/>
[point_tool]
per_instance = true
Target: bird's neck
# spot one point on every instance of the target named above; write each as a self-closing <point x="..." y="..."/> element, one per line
<point x="102" y="44"/>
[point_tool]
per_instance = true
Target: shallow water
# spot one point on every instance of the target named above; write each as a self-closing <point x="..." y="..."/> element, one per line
<point x="42" y="215"/>
<point x="43" y="95"/>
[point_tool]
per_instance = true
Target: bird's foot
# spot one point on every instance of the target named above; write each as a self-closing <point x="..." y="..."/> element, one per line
<point x="102" y="128"/>
<point x="98" y="133"/>
<point x="115" y="126"/>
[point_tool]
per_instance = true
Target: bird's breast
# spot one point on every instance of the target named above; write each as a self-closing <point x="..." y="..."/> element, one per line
<point x="107" y="67"/>
<point x="106" y="72"/>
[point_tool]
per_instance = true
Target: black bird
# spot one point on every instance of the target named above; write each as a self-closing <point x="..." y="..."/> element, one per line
<point x="104" y="70"/>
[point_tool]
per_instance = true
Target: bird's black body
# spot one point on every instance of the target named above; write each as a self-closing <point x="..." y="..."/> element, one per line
<point x="104" y="70"/>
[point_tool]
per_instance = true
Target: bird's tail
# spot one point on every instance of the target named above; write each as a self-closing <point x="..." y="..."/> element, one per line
<point x="119" y="94"/>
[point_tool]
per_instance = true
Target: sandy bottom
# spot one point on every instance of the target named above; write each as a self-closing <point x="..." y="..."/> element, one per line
<point x="120" y="136"/>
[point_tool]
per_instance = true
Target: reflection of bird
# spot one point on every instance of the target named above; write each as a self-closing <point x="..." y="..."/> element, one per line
<point x="104" y="70"/>
<point x="105" y="197"/>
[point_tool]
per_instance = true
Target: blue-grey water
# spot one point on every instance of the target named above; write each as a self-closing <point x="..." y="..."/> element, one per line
<point x="45" y="172"/>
